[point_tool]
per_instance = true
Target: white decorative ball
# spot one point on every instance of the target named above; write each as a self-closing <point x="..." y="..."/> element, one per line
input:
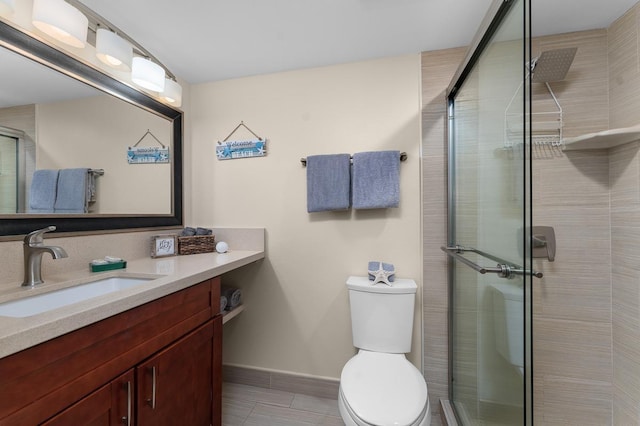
<point x="222" y="247"/>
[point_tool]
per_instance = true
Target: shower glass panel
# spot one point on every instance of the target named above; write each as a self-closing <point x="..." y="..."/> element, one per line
<point x="489" y="204"/>
<point x="8" y="174"/>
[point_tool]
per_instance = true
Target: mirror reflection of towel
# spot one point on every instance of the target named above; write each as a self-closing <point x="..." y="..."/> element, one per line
<point x="72" y="191"/>
<point x="42" y="194"/>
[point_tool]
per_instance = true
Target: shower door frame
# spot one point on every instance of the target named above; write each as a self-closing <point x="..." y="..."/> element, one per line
<point x="492" y="21"/>
<point x="18" y="136"/>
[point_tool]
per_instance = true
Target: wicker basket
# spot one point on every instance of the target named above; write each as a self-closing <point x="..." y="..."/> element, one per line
<point x="196" y="244"/>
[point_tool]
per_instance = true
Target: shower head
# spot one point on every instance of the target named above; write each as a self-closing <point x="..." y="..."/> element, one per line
<point x="552" y="65"/>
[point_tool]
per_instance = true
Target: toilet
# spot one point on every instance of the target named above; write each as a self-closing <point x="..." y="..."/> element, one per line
<point x="508" y="320"/>
<point x="379" y="386"/>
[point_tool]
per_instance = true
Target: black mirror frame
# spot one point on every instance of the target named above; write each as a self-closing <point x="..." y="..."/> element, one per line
<point x="39" y="51"/>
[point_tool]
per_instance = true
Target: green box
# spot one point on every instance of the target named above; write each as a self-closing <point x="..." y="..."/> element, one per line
<point x="108" y="267"/>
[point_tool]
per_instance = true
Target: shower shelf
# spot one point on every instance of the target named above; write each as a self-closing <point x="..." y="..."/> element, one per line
<point x="603" y="140"/>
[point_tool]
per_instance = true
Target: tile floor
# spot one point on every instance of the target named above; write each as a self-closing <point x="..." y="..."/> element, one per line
<point x="244" y="405"/>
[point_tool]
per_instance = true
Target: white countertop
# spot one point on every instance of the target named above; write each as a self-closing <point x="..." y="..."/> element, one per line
<point x="174" y="273"/>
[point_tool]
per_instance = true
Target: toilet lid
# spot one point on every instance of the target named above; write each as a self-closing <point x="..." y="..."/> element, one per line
<point x="383" y="389"/>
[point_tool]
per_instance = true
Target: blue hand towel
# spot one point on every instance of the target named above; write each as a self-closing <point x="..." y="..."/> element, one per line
<point x="376" y="180"/>
<point x="72" y="191"/>
<point x="233" y="296"/>
<point x="42" y="195"/>
<point x="328" y="182"/>
<point x="203" y="231"/>
<point x="188" y="232"/>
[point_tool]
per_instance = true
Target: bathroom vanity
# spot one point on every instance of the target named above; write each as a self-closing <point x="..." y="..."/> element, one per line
<point x="148" y="355"/>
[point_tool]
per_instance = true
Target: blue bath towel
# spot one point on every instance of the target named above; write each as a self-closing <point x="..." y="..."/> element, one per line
<point x="376" y="180"/>
<point x="328" y="182"/>
<point x="42" y="195"/>
<point x="72" y="191"/>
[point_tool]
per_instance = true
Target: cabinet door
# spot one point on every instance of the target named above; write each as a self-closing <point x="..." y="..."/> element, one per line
<point x="123" y="400"/>
<point x="175" y="386"/>
<point x="111" y="405"/>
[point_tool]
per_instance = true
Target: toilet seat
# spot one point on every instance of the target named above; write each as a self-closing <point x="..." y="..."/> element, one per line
<point x="383" y="389"/>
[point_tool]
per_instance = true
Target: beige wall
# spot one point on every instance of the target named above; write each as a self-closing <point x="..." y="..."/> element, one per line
<point x="297" y="317"/>
<point x="95" y="132"/>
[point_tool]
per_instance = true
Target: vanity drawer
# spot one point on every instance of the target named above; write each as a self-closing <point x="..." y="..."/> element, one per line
<point x="40" y="381"/>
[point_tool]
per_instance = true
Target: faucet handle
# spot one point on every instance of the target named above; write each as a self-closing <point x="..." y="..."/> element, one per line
<point x="36" y="237"/>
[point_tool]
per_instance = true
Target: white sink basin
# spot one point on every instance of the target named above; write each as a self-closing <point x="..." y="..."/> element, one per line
<point x="44" y="302"/>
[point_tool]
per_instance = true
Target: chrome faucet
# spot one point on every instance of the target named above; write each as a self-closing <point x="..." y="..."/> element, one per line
<point x="34" y="248"/>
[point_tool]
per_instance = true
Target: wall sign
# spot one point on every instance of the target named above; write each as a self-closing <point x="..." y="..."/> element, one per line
<point x="241" y="149"/>
<point x="228" y="150"/>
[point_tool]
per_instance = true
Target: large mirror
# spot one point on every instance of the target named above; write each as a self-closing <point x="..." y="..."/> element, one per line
<point x="59" y="114"/>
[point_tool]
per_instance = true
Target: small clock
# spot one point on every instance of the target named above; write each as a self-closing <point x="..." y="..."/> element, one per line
<point x="163" y="245"/>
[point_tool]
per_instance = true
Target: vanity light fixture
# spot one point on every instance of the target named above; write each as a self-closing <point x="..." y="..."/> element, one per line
<point x="69" y="22"/>
<point x="147" y="74"/>
<point x="113" y="50"/>
<point x="172" y="92"/>
<point x="60" y="20"/>
<point x="7" y="7"/>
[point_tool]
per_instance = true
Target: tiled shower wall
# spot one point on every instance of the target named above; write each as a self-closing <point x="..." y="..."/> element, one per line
<point x="587" y="307"/>
<point x="624" y="176"/>
<point x="624" y="164"/>
<point x="437" y="69"/>
<point x="572" y="303"/>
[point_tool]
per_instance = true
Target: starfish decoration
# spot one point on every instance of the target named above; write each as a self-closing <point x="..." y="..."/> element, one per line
<point x="381" y="276"/>
<point x="222" y="153"/>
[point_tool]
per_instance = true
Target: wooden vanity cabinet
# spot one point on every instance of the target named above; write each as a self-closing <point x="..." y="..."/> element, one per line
<point x="157" y="364"/>
<point x="110" y="405"/>
<point x="175" y="384"/>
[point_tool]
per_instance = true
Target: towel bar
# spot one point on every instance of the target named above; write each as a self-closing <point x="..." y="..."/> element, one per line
<point x="504" y="269"/>
<point x="403" y="157"/>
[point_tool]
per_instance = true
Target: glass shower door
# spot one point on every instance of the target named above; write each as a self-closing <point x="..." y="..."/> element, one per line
<point x="489" y="215"/>
<point x="8" y="174"/>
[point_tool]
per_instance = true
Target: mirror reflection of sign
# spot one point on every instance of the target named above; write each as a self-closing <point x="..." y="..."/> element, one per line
<point x="147" y="155"/>
<point x="241" y="149"/>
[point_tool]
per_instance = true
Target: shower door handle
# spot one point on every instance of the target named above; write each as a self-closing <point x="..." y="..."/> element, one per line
<point x="504" y="269"/>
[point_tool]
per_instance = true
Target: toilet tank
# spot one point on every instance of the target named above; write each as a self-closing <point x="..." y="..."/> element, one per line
<point x="508" y="317"/>
<point x="382" y="316"/>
